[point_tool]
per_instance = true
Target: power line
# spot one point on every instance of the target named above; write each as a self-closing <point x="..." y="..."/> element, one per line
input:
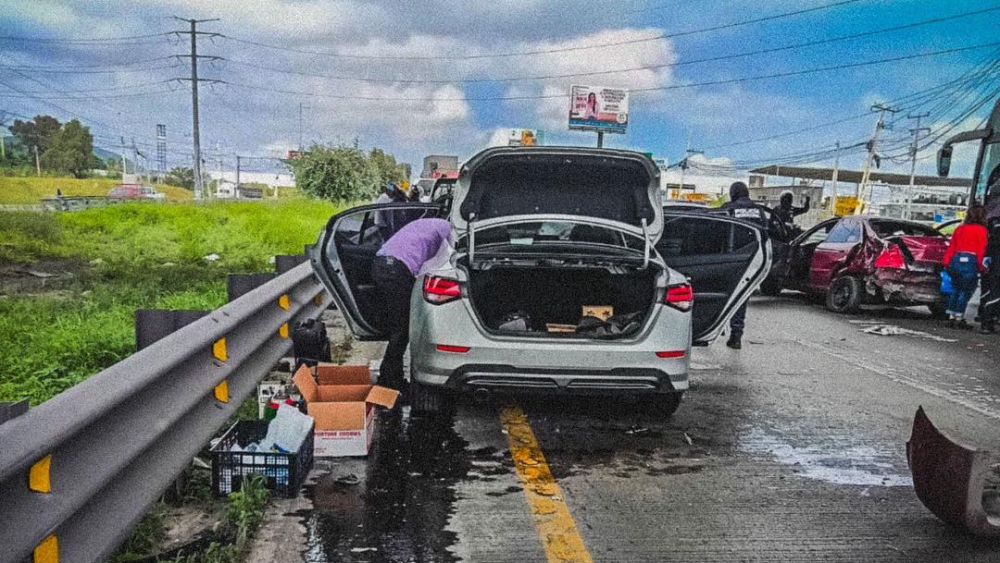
<point x="553" y="50"/>
<point x="743" y="79"/>
<point x="42" y="70"/>
<point x="955" y="84"/>
<point x="80" y="40"/>
<point x="658" y="66"/>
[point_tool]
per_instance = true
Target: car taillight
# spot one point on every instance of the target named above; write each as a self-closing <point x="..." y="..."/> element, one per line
<point x="671" y="354"/>
<point x="441" y="290"/>
<point x="680" y="297"/>
<point x="451" y="349"/>
<point x="891" y="259"/>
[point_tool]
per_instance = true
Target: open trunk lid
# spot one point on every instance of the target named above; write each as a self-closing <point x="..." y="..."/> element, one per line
<point x="610" y="186"/>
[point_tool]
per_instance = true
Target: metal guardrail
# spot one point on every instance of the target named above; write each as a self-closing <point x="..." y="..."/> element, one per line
<point x="78" y="203"/>
<point x="80" y="470"/>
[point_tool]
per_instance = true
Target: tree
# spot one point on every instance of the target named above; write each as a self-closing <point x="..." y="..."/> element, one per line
<point x="339" y="174"/>
<point x="70" y="150"/>
<point x="180" y="176"/>
<point x="386" y="169"/>
<point x="38" y="132"/>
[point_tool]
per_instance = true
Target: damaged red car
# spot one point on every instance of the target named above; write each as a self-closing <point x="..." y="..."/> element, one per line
<point x="855" y="261"/>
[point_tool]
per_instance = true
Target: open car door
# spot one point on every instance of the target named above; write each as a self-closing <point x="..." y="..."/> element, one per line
<point x="344" y="254"/>
<point x="725" y="258"/>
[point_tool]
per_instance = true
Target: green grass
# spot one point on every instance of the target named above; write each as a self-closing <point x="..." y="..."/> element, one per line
<point x="127" y="257"/>
<point x="32" y="190"/>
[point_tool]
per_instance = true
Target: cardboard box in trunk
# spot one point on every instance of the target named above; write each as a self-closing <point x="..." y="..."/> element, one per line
<point x="344" y="403"/>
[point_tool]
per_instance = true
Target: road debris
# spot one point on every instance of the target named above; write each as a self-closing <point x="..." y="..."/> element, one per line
<point x="950" y="479"/>
<point x="893" y="330"/>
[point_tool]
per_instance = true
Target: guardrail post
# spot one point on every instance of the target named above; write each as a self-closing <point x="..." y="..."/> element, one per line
<point x="241" y="284"/>
<point x="285" y="263"/>
<point x="153" y="324"/>
<point x="11" y="410"/>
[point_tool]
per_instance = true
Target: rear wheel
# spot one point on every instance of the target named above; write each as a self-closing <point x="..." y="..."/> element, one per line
<point x="844" y="295"/>
<point x="664" y="404"/>
<point x="426" y="400"/>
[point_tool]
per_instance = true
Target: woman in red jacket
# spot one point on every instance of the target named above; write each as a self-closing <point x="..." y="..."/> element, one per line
<point x="964" y="262"/>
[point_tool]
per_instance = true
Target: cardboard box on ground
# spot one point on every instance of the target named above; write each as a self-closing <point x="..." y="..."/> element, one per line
<point x="344" y="403"/>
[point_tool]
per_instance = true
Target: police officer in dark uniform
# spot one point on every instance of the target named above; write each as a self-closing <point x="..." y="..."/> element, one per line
<point x="989" y="284"/>
<point x="742" y="207"/>
<point x="786" y="213"/>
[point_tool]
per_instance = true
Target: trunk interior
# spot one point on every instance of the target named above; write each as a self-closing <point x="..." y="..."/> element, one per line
<point x="529" y="300"/>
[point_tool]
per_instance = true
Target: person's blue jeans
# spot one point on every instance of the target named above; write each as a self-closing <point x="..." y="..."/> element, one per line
<point x="964" y="270"/>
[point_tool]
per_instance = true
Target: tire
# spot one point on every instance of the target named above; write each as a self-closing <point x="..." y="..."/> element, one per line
<point x="426" y="400"/>
<point x="844" y="295"/>
<point x="664" y="404"/>
<point x="939" y="311"/>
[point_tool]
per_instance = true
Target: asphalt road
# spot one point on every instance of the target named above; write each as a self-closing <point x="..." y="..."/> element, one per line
<point x="792" y="449"/>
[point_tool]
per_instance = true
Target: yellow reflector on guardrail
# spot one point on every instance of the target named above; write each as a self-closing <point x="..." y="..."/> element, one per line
<point x="47" y="551"/>
<point x="40" y="475"/>
<point x="284" y="302"/>
<point x="219" y="350"/>
<point x="283" y="331"/>
<point x="222" y="392"/>
<point x="318" y="299"/>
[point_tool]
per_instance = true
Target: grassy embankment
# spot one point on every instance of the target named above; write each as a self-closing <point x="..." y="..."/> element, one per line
<point x="31" y="190"/>
<point x="55" y="332"/>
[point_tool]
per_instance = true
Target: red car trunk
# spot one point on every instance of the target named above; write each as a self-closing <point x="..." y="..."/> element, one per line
<point x="918" y="280"/>
<point x="926" y="249"/>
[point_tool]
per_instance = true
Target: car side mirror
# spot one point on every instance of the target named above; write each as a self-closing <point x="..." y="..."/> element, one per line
<point x="944" y="160"/>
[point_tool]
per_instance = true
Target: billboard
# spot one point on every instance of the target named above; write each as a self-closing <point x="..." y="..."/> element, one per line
<point x="596" y="108"/>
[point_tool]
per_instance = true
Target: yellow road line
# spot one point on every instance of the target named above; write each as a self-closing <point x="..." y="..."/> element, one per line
<point x="556" y="527"/>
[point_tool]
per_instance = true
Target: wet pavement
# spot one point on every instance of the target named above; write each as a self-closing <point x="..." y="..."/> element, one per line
<point x="792" y="449"/>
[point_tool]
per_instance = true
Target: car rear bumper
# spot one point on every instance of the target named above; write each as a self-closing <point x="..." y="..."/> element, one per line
<point x="908" y="287"/>
<point x="573" y="381"/>
<point x="547" y="365"/>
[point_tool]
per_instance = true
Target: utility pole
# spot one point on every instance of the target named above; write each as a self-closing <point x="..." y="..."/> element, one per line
<point x="913" y="159"/>
<point x="688" y="153"/>
<point x="199" y="187"/>
<point x="872" y="147"/>
<point x="300" y="125"/>
<point x="836" y="169"/>
<point x="3" y="143"/>
<point x="237" y="191"/>
<point x="38" y="163"/>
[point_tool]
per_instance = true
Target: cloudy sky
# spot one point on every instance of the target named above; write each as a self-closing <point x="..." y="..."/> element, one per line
<point x="450" y="77"/>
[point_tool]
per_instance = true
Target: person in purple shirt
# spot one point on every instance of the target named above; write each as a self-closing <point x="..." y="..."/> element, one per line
<point x="395" y="269"/>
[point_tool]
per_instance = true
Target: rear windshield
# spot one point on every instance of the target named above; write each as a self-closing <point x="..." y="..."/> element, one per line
<point x="535" y="235"/>
<point x="886" y="229"/>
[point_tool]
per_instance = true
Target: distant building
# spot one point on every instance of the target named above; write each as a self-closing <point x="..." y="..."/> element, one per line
<point x="438" y="165"/>
<point x="270" y="179"/>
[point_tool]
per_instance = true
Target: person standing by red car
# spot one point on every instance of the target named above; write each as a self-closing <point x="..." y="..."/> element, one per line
<point x="964" y="262"/>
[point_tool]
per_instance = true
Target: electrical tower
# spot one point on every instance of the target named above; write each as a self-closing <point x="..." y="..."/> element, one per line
<point x="199" y="187"/>
<point x="161" y="148"/>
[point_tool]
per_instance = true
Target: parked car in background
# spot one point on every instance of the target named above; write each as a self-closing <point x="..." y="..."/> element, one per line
<point x="547" y="238"/>
<point x="853" y="261"/>
<point x="135" y="192"/>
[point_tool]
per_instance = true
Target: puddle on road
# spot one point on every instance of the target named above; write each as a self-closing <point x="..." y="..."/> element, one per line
<point x="838" y="463"/>
<point x="398" y="509"/>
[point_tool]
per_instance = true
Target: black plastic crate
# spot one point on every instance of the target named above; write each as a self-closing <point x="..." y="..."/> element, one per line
<point x="284" y="473"/>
